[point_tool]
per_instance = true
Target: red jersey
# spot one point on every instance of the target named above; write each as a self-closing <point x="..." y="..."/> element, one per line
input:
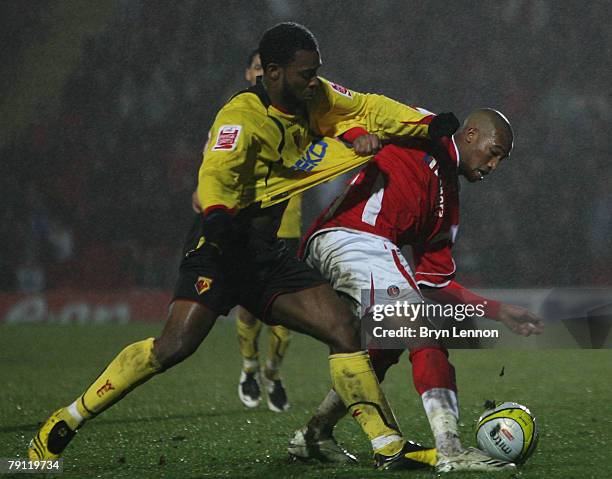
<point x="409" y="196"/>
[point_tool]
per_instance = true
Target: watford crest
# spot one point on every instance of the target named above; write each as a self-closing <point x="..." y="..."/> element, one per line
<point x="203" y="284"/>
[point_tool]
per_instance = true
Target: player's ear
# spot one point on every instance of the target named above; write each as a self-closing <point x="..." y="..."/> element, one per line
<point x="471" y="134"/>
<point x="273" y="71"/>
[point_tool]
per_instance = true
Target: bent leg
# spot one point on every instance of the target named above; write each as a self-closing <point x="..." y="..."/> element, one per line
<point x="332" y="409"/>
<point x="434" y="380"/>
<point x="248" y="328"/>
<point x="187" y="325"/>
<point x="383" y="359"/>
<point x="278" y="338"/>
<point x="320" y="313"/>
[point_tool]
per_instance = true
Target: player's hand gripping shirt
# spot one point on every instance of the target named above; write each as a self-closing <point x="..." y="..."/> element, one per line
<point x="409" y="196"/>
<point x="258" y="153"/>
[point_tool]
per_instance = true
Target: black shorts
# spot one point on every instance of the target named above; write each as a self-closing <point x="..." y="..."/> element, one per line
<point x="293" y="245"/>
<point x="249" y="279"/>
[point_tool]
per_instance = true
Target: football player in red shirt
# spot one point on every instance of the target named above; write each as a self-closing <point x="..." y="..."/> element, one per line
<point x="409" y="195"/>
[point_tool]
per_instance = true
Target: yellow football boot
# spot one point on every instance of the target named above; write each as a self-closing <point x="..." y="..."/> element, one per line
<point x="411" y="456"/>
<point x="52" y="438"/>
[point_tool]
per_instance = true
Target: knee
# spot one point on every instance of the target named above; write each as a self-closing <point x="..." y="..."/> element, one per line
<point x="383" y="359"/>
<point x="283" y="334"/>
<point x="344" y="337"/>
<point x="432" y="369"/>
<point x="244" y="316"/>
<point x="170" y="351"/>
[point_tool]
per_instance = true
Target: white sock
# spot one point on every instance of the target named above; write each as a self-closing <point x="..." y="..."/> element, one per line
<point x="74" y="414"/>
<point x="443" y="413"/>
<point x="327" y="415"/>
<point x="250" y="365"/>
<point x="382" y="441"/>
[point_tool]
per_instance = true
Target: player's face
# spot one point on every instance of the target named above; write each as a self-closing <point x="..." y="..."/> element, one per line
<point x="254" y="70"/>
<point x="300" y="79"/>
<point x="484" y="155"/>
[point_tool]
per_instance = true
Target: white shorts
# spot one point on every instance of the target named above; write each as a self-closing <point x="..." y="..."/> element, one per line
<point x="367" y="268"/>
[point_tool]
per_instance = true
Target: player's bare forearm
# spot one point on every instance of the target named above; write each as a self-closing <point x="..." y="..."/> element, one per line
<point x="519" y="320"/>
<point x="455" y="293"/>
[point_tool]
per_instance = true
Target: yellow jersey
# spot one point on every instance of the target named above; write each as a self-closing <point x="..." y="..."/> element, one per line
<point x="260" y="154"/>
<point x="291" y="224"/>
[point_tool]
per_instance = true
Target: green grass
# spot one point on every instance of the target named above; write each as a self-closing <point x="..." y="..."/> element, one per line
<point x="189" y="422"/>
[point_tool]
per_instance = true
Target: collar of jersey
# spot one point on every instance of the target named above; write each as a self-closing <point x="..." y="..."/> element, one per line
<point x="455" y="151"/>
<point x="279" y="111"/>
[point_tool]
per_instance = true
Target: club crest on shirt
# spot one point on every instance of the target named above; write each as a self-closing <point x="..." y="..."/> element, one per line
<point x="393" y="291"/>
<point x="340" y="89"/>
<point x="227" y="138"/>
<point x="203" y="284"/>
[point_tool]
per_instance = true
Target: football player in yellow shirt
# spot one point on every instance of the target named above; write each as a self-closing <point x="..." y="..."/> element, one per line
<point x="268" y="144"/>
<point x="248" y="326"/>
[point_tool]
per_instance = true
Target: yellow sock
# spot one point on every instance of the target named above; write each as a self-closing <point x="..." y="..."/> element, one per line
<point x="248" y="333"/>
<point x="355" y="382"/>
<point x="130" y="368"/>
<point x="279" y="338"/>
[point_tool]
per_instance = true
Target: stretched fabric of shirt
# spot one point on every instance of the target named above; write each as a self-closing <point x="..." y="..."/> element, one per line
<point x="260" y="154"/>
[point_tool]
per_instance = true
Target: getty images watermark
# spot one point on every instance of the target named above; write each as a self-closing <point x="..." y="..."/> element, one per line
<point x="397" y="324"/>
<point x="573" y="318"/>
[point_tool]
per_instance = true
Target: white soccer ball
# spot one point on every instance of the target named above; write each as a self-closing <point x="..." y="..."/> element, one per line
<point x="508" y="432"/>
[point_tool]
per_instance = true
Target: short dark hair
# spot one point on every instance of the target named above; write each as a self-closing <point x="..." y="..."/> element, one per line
<point x="279" y="43"/>
<point x="252" y="55"/>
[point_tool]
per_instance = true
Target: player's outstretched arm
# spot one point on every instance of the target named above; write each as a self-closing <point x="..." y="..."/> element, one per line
<point x="364" y="143"/>
<point x="338" y="109"/>
<point x="516" y="318"/>
<point x="367" y="144"/>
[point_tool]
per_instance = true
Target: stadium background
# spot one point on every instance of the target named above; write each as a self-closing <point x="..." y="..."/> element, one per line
<point x="107" y="105"/>
<point x="104" y="111"/>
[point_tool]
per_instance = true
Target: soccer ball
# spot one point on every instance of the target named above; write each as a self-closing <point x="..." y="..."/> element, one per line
<point x="508" y="432"/>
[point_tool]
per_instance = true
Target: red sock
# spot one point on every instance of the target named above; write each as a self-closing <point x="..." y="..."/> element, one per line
<point x="431" y="369"/>
<point x="383" y="359"/>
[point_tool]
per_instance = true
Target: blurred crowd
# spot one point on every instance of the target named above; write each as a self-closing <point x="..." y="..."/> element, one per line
<point x="97" y="194"/>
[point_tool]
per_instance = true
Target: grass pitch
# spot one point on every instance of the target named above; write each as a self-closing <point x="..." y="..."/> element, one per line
<point x="189" y="422"/>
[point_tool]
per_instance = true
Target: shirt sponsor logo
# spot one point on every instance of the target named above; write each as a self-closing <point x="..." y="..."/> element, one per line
<point x="227" y="138"/>
<point x="313" y="156"/>
<point x="499" y="442"/>
<point x="343" y="91"/>
<point x="439" y="209"/>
